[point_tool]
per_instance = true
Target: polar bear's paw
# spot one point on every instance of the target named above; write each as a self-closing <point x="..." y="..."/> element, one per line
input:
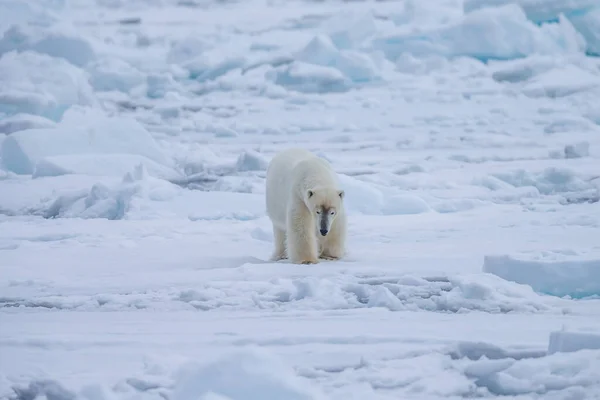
<point x="306" y="262"/>
<point x="328" y="257"/>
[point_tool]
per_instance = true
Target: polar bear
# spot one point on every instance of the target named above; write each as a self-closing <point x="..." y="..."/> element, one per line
<point x="306" y="208"/>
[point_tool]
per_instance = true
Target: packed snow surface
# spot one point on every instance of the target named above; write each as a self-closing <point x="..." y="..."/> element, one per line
<point x="134" y="245"/>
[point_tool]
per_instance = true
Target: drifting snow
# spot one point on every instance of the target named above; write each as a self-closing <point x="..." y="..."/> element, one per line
<point x="559" y="278"/>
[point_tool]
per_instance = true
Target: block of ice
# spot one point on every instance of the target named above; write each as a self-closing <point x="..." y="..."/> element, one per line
<point x="537" y="10"/>
<point x="565" y="341"/>
<point x="21" y="151"/>
<point x="355" y="66"/>
<point x="576" y="279"/>
<point x="114" y="74"/>
<point x="42" y="85"/>
<point x="490" y="33"/>
<point x="20" y="122"/>
<point x="583" y="14"/>
<point x="63" y="43"/>
<point x="310" y="78"/>
<point x="101" y="165"/>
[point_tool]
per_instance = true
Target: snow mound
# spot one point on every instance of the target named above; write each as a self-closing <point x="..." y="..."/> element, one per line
<point x="368" y="199"/>
<point x="321" y="67"/>
<point x="491" y="33"/>
<point x="114" y="74"/>
<point x="249" y="374"/>
<point x="583" y="14"/>
<point x="81" y="132"/>
<point x="21" y="122"/>
<point x="42" y="85"/>
<point x="564" y="341"/>
<point x="60" y="44"/>
<point x="576" y="279"/>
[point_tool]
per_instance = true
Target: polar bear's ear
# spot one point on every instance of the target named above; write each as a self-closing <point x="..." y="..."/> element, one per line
<point x="341" y="193"/>
<point x="310" y="193"/>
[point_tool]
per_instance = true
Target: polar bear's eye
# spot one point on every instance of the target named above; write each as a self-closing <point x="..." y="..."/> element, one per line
<point x="332" y="213"/>
<point x="318" y="212"/>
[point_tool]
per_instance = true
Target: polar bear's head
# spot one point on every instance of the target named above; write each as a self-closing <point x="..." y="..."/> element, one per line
<point x="324" y="204"/>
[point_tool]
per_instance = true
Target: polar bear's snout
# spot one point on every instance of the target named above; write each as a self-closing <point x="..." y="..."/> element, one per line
<point x="325" y="219"/>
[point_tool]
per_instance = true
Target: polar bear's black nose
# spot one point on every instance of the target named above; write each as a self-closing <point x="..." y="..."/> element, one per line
<point x="323" y="232"/>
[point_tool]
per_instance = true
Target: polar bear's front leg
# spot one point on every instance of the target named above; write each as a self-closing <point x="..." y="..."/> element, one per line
<point x="334" y="245"/>
<point x="279" y="242"/>
<point x="302" y="245"/>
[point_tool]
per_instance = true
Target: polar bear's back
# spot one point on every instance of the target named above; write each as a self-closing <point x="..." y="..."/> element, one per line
<point x="290" y="173"/>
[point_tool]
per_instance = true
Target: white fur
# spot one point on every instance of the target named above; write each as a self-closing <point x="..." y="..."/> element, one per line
<point x="303" y="198"/>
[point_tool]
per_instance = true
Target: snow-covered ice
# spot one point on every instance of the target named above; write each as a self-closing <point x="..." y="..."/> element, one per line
<point x="134" y="142"/>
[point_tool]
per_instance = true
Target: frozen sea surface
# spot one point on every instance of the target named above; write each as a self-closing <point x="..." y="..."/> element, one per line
<point x="134" y="245"/>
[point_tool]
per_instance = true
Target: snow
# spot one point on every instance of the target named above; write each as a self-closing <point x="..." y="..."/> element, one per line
<point x="134" y="244"/>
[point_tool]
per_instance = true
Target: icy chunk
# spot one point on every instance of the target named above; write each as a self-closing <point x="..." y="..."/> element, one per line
<point x="349" y="31"/>
<point x="101" y="165"/>
<point x="111" y="203"/>
<point x="500" y="33"/>
<point x="61" y="44"/>
<point x="588" y="25"/>
<point x="561" y="81"/>
<point x="564" y="341"/>
<point x="310" y="78"/>
<point x="114" y="74"/>
<point x="42" y="85"/>
<point x="251" y="161"/>
<point x="20" y="122"/>
<point x="583" y="14"/>
<point x="577" y="150"/>
<point x="213" y="65"/>
<point x="355" y="66"/>
<point x="536" y="10"/>
<point x="187" y="49"/>
<point x="549" y="181"/>
<point x="77" y="136"/>
<point x="576" y="279"/>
